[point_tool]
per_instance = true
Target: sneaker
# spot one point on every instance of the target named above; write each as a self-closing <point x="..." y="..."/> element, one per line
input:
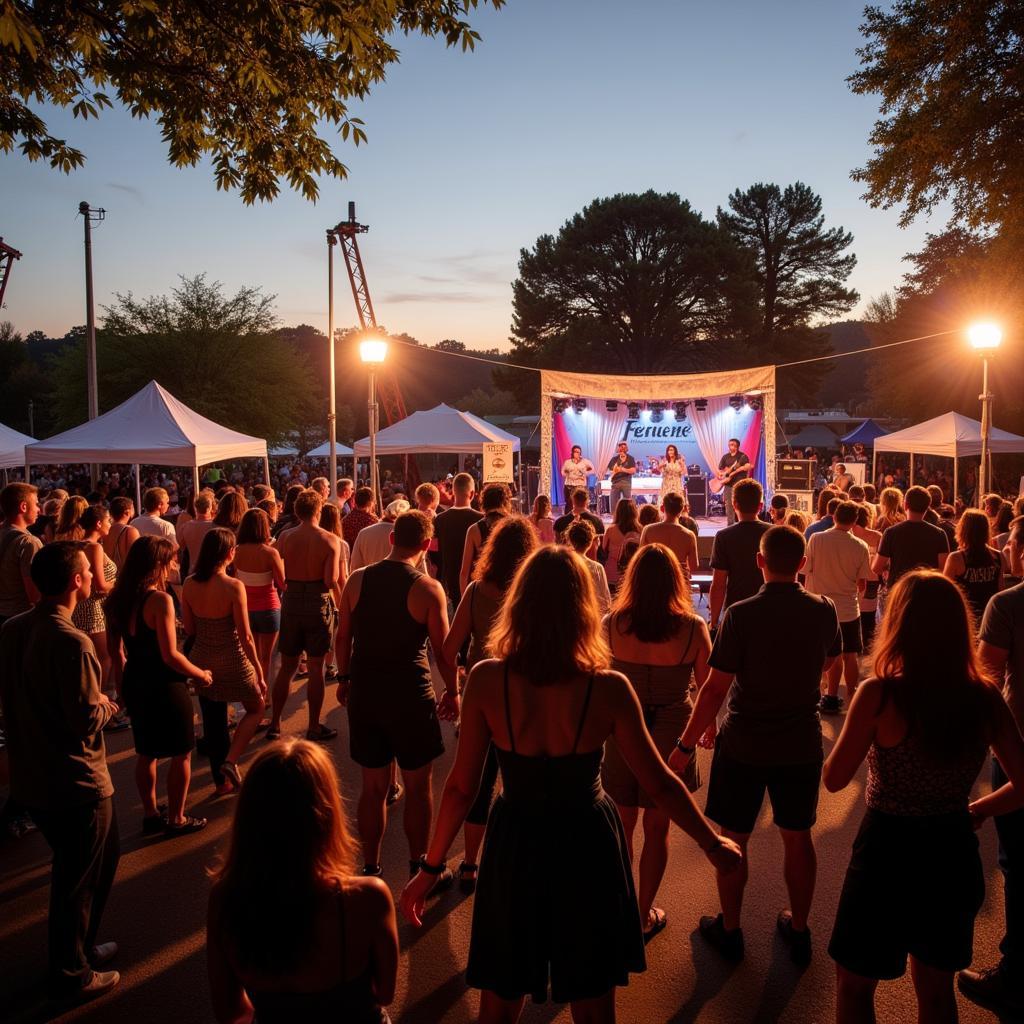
<point x="799" y="942"/>
<point x="99" y="984"/>
<point x="991" y="987"/>
<point x="830" y="705"/>
<point x="728" y="942"/>
<point x="321" y="734"/>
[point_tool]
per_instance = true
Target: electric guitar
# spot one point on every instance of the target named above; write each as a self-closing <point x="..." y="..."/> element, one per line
<point x="718" y="482"/>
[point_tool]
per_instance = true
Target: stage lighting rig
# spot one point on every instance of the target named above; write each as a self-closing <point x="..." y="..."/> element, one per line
<point x="579" y="404"/>
<point x="700" y="405"/>
<point x="657" y="411"/>
<point x="680" y="410"/>
<point x="611" y="406"/>
<point x="634" y="410"/>
<point x="737" y="402"/>
<point x="755" y="402"/>
<point x="561" y="404"/>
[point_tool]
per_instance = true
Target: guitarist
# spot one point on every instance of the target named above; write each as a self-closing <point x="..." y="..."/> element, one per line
<point x="733" y="467"/>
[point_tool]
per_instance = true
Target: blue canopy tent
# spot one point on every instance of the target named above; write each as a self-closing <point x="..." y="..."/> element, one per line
<point x="866" y="434"/>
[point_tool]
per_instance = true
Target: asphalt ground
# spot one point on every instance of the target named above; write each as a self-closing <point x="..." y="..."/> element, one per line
<point x="158" y="905"/>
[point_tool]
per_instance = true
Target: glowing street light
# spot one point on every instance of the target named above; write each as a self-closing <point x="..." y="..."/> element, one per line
<point x="373" y="350"/>
<point x="984" y="339"/>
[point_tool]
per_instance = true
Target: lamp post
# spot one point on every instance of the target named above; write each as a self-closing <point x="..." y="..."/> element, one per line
<point x="373" y="351"/>
<point x="332" y="412"/>
<point x="985" y="339"/>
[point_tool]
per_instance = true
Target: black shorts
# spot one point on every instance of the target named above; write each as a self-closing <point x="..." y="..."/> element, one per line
<point x="736" y="791"/>
<point x="853" y="639"/>
<point x="308" y="621"/>
<point x="385" y="725"/>
<point x="914" y="887"/>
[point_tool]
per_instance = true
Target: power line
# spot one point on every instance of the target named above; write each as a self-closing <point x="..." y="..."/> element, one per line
<point x="861" y="351"/>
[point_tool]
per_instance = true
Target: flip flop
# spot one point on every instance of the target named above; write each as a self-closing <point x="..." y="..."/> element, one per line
<point x="660" y="921"/>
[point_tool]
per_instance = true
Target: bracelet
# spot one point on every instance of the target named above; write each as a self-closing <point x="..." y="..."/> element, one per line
<point x="684" y="749"/>
<point x="431" y="869"/>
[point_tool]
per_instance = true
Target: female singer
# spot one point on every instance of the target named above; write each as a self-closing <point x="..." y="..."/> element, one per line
<point x="671" y="473"/>
<point x="575" y="471"/>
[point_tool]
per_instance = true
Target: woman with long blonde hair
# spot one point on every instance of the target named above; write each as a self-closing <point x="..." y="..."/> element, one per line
<point x="541" y="521"/>
<point x="68" y="525"/>
<point x="293" y="932"/>
<point x="924" y="723"/>
<point x="548" y="700"/>
<point x="890" y="506"/>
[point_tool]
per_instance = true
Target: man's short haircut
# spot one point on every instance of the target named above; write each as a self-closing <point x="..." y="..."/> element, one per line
<point x="935" y="495"/>
<point x="121" y="506"/>
<point x="735" y="441"/>
<point x="494" y="497"/>
<point x="364" y="497"/>
<point x="580" y="535"/>
<point x="779" y="502"/>
<point x="580" y="498"/>
<point x="411" y="529"/>
<point x="54" y="565"/>
<point x="12" y="497"/>
<point x="261" y="491"/>
<point x="782" y="548"/>
<point x="153" y="498"/>
<point x="856" y="493"/>
<point x="917" y="500"/>
<point x="747" y="496"/>
<point x="345" y="483"/>
<point x="428" y="493"/>
<point x="673" y="504"/>
<point x="841" y="465"/>
<point x="992" y="503"/>
<point x="833" y="504"/>
<point x="308" y="505"/>
<point x="463" y="485"/>
<point x="204" y="502"/>
<point x="870" y="492"/>
<point x="846" y="513"/>
<point x="947" y="512"/>
<point x="320" y="483"/>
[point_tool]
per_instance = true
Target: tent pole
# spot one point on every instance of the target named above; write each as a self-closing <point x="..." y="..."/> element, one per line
<point x="910" y="478"/>
<point x="138" y="490"/>
<point x="523" y="502"/>
<point x="266" y="470"/>
<point x="874" y="467"/>
<point x="195" y="481"/>
<point x="956" y="480"/>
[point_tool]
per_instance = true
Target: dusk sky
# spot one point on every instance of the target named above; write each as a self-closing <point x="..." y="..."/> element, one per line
<point x="471" y="157"/>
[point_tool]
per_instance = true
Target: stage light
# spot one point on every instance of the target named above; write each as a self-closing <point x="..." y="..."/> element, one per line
<point x="634" y="410"/>
<point x="985" y="336"/>
<point x="700" y="405"/>
<point x="579" y="404"/>
<point x="611" y="406"/>
<point x="561" y="405"/>
<point x="737" y="402"/>
<point x="754" y="401"/>
<point x="657" y="411"/>
<point x="680" y="410"/>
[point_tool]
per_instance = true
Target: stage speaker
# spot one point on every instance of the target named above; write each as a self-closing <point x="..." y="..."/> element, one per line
<point x="799" y="501"/>
<point x="697" y="495"/>
<point x="794" y="474"/>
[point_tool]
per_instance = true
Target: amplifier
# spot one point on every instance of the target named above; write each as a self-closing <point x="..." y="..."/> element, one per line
<point x="697" y="495"/>
<point x="795" y="474"/>
<point x="800" y="501"/>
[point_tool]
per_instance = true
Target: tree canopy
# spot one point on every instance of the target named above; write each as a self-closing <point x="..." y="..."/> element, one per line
<point x="217" y="353"/>
<point x="952" y="105"/>
<point x="243" y="83"/>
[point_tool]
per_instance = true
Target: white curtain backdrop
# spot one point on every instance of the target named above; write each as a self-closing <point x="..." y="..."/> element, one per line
<point x="712" y="429"/>
<point x="603" y="433"/>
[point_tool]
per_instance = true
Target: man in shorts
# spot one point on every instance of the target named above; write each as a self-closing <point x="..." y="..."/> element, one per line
<point x="311" y="567"/>
<point x="770" y="738"/>
<point x="389" y="610"/>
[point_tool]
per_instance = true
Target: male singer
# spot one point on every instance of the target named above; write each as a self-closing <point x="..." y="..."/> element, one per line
<point x="621" y="469"/>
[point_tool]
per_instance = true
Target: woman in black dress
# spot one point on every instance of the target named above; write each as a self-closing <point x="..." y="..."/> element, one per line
<point x="549" y="701"/>
<point x="152" y="671"/>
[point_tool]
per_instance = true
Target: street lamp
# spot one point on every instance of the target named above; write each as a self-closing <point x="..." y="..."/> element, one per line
<point x="985" y="339"/>
<point x="332" y="412"/>
<point x="373" y="350"/>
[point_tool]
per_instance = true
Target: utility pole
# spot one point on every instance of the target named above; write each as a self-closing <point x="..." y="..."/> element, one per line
<point x="31" y="418"/>
<point x="90" y="216"/>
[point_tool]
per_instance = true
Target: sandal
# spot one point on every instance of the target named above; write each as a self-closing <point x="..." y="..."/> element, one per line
<point x="321" y="733"/>
<point x="230" y="771"/>
<point x="186" y="826"/>
<point x="659" y="919"/>
<point x="467" y="878"/>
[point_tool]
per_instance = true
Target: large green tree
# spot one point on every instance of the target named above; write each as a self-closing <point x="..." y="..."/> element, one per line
<point x="245" y="83"/>
<point x="633" y="284"/>
<point x="948" y="76"/>
<point x="22" y="382"/>
<point x="218" y="353"/>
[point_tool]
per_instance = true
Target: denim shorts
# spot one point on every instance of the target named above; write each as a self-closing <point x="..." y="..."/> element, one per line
<point x="268" y="621"/>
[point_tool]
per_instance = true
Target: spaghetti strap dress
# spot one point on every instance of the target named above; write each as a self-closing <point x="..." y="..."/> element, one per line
<point x="555" y="905"/>
<point x="156" y="697"/>
<point x="219" y="649"/>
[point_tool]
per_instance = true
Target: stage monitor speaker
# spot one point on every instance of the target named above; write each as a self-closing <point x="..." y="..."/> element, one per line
<point x="697" y="495"/>
<point x="794" y="474"/>
<point x="799" y="501"/>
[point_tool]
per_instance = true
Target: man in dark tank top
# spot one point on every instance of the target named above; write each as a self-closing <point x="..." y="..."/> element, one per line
<point x="389" y="611"/>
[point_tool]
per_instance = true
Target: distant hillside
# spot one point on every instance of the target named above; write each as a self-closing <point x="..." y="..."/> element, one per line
<point x="846" y="384"/>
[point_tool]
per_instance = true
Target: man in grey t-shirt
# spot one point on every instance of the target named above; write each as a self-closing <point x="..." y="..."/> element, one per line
<point x="621" y="468"/>
<point x="20" y="506"/>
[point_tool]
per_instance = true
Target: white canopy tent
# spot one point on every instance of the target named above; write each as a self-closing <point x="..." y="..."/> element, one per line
<point x="12" y="448"/>
<point x="951" y="435"/>
<point x="151" y="428"/>
<point x="283" y="451"/>
<point x="323" y="451"/>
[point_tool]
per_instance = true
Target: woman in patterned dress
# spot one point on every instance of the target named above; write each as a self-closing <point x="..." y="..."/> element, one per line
<point x="214" y="610"/>
<point x="671" y="473"/>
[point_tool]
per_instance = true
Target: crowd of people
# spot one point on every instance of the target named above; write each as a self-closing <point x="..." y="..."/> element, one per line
<point x="582" y="680"/>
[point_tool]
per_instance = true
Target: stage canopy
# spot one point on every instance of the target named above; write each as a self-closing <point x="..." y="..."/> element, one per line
<point x="951" y="435"/>
<point x="817" y="435"/>
<point x="12" y="447"/>
<point x="701" y="436"/>
<point x="867" y="433"/>
<point x="323" y="451"/>
<point x="152" y="428"/>
<point x="441" y="430"/>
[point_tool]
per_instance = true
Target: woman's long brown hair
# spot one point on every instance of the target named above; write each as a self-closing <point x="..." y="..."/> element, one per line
<point x="507" y="545"/>
<point x="549" y="628"/>
<point x="290" y="842"/>
<point x="925" y="656"/>
<point x="653" y="600"/>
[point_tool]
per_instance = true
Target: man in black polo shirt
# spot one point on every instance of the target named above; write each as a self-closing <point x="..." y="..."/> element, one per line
<point x="912" y="544"/>
<point x="771" y="736"/>
<point x="734" y="571"/>
<point x="450" y="529"/>
<point x="579" y="500"/>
